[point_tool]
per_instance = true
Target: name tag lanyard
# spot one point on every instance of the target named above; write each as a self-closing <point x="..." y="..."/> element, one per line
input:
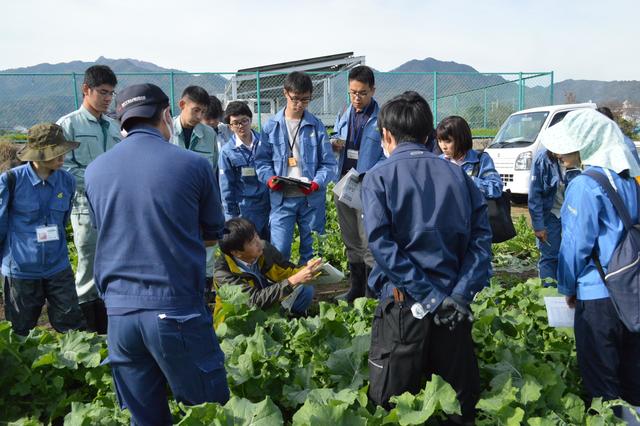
<point x="252" y="152"/>
<point x="292" y="144"/>
<point x="356" y="131"/>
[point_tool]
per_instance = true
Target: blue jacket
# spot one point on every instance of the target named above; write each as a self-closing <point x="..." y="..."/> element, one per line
<point x="370" y="151"/>
<point x="241" y="193"/>
<point x="153" y="204"/>
<point x="318" y="163"/>
<point x="632" y="147"/>
<point x="590" y="220"/>
<point x="488" y="179"/>
<point x="427" y="226"/>
<point x="35" y="203"/>
<point x="545" y="176"/>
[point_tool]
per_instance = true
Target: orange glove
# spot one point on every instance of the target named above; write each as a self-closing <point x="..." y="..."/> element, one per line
<point x="273" y="183"/>
<point x="314" y="187"/>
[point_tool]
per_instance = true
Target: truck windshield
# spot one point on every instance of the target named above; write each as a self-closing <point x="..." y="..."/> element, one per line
<point x="519" y="130"/>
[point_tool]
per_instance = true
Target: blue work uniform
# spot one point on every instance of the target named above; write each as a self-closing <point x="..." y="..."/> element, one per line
<point x="37" y="271"/>
<point x="366" y="139"/>
<point x="427" y="226"/>
<point x="150" y="272"/>
<point x="242" y="193"/>
<point x="317" y="164"/>
<point x="35" y="203"/>
<point x="607" y="351"/>
<point x="430" y="236"/>
<point x="547" y="177"/>
<point x="632" y="147"/>
<point x="480" y="168"/>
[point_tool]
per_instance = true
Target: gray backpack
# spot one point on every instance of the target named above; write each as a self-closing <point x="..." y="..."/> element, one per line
<point x="623" y="274"/>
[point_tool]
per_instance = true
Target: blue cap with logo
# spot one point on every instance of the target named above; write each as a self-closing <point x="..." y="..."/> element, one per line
<point x="139" y="100"/>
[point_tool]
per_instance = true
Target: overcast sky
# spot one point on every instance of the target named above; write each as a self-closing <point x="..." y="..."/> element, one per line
<point x="583" y="39"/>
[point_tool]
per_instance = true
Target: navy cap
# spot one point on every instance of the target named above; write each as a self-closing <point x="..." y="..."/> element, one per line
<point x="139" y="100"/>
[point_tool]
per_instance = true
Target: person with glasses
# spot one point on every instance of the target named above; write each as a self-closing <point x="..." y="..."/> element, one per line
<point x="357" y="142"/>
<point x="96" y="133"/>
<point x="243" y="195"/>
<point x="294" y="144"/>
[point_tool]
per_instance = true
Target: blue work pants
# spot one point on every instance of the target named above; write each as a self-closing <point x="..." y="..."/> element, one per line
<point x="548" y="262"/>
<point x="283" y="218"/>
<point x="150" y="348"/>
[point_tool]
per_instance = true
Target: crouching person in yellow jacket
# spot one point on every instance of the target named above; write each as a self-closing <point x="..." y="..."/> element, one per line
<point x="264" y="272"/>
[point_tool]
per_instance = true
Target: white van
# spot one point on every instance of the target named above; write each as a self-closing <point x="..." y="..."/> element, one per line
<point x="518" y="141"/>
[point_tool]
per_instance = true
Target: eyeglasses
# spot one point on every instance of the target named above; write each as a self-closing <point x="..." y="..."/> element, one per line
<point x="105" y="93"/>
<point x="355" y="94"/>
<point x="240" y="123"/>
<point x="297" y="100"/>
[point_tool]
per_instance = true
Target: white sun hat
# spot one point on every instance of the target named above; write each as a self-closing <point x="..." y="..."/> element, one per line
<point x="598" y="139"/>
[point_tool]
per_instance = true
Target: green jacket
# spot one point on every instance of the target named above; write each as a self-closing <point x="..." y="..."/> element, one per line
<point x="275" y="270"/>
<point x="203" y="141"/>
<point x="96" y="136"/>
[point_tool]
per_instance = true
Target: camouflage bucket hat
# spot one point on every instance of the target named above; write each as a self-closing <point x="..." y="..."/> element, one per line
<point x="45" y="141"/>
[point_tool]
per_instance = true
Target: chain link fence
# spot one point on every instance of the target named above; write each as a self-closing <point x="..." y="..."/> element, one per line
<point x="483" y="99"/>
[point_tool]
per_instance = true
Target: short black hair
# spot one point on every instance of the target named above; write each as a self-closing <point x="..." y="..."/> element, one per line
<point x="151" y="121"/>
<point x="237" y="232"/>
<point x="606" y="111"/>
<point x="215" y="108"/>
<point x="407" y="117"/>
<point x="298" y="82"/>
<point x="97" y="75"/>
<point x="236" y="108"/>
<point x="363" y="74"/>
<point x="456" y="129"/>
<point x="196" y="94"/>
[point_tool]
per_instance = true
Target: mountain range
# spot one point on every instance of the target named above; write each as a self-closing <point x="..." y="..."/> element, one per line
<point x="55" y="93"/>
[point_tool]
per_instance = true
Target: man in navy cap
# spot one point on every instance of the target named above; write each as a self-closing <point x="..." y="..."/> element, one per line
<point x="149" y="268"/>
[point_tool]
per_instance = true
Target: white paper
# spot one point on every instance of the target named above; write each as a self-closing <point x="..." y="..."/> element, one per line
<point x="328" y="275"/>
<point x="348" y="190"/>
<point x="558" y="312"/>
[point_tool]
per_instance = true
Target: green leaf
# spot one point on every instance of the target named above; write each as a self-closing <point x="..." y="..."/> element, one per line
<point x="437" y="396"/>
<point x="573" y="407"/>
<point x="500" y="397"/>
<point x="25" y="421"/>
<point x="327" y="415"/>
<point x="203" y="415"/>
<point x="242" y="412"/>
<point x="94" y="414"/>
<point x="348" y="366"/>
<point x="530" y="390"/>
<point x="551" y="420"/>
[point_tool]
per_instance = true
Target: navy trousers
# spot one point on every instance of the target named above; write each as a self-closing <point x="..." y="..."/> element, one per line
<point x="548" y="263"/>
<point x="149" y="349"/>
<point x="608" y="353"/>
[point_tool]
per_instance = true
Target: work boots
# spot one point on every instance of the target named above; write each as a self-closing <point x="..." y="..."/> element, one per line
<point x="358" y="279"/>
